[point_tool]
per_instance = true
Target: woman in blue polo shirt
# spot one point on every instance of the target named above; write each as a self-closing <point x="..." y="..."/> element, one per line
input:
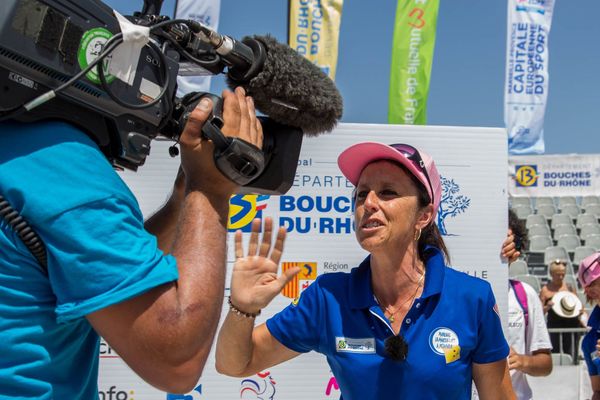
<point x="588" y="274"/>
<point x="400" y="325"/>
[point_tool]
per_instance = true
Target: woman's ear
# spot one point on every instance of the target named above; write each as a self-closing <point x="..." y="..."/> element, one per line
<point x="425" y="216"/>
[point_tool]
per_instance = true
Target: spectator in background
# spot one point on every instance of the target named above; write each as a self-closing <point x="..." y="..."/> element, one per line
<point x="589" y="272"/>
<point x="527" y="334"/>
<point x="555" y="316"/>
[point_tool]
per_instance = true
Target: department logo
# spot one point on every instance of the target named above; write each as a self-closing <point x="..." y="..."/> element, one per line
<point x="243" y="208"/>
<point x="195" y="394"/>
<point x="307" y="275"/>
<point x="526" y="175"/>
<point x="451" y="204"/>
<point x="262" y="388"/>
<point x="443" y="340"/>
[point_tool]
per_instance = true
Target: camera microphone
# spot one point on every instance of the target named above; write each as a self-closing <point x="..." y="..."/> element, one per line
<point x="284" y="85"/>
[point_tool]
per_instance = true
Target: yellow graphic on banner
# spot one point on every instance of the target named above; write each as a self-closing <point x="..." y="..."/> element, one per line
<point x="306" y="276"/>
<point x="315" y="30"/>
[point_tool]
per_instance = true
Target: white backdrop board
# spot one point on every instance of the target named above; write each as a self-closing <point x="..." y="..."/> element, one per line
<point x="317" y="211"/>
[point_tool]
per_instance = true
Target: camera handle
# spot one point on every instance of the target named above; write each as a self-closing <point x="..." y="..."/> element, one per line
<point x="238" y="160"/>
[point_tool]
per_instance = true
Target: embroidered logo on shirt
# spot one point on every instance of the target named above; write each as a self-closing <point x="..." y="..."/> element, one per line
<point x="443" y="340"/>
<point x="352" y="345"/>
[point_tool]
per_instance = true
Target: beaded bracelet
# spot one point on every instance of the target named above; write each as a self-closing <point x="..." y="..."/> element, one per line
<point x="239" y="312"/>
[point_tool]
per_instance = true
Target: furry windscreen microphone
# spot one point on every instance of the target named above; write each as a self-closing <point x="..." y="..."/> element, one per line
<point x="288" y="88"/>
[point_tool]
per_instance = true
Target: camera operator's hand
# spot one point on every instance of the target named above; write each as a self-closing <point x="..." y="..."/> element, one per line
<point x="197" y="162"/>
<point x="239" y="116"/>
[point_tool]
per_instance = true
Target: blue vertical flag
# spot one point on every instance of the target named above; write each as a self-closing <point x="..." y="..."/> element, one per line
<point x="526" y="87"/>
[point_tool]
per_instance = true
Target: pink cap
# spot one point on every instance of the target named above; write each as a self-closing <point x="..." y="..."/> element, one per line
<point x="355" y="158"/>
<point x="589" y="269"/>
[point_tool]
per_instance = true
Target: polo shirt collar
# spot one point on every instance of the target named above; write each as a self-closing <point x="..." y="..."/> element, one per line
<point x="361" y="294"/>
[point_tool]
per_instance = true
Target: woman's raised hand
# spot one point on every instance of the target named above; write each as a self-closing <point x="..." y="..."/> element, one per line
<point x="255" y="282"/>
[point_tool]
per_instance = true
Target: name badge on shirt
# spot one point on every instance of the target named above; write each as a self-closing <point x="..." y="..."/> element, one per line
<point x="355" y="345"/>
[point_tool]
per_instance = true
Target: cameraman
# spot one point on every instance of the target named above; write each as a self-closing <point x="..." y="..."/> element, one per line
<point x="153" y="291"/>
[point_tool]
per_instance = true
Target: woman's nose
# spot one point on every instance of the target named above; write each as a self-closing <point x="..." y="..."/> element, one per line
<point x="371" y="201"/>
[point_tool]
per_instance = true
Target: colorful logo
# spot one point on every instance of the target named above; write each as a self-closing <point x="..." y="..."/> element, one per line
<point x="91" y="46"/>
<point x="307" y="275"/>
<point x="444" y="341"/>
<point x="243" y="208"/>
<point x="526" y="175"/>
<point x="196" y="394"/>
<point x="262" y="388"/>
<point x="451" y="204"/>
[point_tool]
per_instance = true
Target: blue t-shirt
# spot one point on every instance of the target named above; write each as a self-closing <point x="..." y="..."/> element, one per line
<point x="98" y="255"/>
<point x="588" y="345"/>
<point x="452" y="325"/>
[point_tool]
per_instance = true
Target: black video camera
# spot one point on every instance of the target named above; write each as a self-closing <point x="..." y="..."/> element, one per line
<point x="55" y="64"/>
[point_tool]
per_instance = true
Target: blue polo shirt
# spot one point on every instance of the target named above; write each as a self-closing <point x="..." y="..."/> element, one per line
<point x="98" y="255"/>
<point x="452" y="325"/>
<point x="588" y="345"/>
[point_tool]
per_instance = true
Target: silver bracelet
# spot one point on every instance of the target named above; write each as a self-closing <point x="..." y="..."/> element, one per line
<point x="239" y="312"/>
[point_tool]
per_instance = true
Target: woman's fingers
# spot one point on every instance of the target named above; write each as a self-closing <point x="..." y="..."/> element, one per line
<point x="253" y="245"/>
<point x="278" y="248"/>
<point x="265" y="245"/>
<point x="239" y="250"/>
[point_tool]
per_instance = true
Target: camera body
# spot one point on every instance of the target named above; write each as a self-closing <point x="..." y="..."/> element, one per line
<point x="43" y="43"/>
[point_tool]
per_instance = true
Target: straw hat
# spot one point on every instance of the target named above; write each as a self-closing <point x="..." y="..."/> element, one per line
<point x="566" y="304"/>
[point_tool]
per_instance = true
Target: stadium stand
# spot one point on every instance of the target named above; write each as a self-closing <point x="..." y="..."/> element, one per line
<point x="593" y="209"/>
<point x="560" y="219"/>
<point x="583" y="219"/>
<point x="587" y="200"/>
<point x="571" y="209"/>
<point x="532" y="280"/>
<point x="535" y="219"/>
<point x="543" y="200"/>
<point x="547" y="210"/>
<point x="518" y="267"/>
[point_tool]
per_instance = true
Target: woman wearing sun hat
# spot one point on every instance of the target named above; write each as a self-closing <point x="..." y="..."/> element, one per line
<point x="559" y="298"/>
<point x="588" y="274"/>
<point x="401" y="325"/>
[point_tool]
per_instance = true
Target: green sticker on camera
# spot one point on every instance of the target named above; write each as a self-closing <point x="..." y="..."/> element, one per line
<point x="91" y="46"/>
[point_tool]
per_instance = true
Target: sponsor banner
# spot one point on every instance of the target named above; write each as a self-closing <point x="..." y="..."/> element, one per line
<point x="314" y="31"/>
<point x="193" y="78"/>
<point x="526" y="86"/>
<point x="318" y="213"/>
<point x="412" y="57"/>
<point x="554" y="175"/>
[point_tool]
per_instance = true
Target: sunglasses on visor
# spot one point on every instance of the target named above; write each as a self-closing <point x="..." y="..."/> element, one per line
<point x="414" y="156"/>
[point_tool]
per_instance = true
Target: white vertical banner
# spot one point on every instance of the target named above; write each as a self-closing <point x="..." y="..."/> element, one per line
<point x="207" y="13"/>
<point x="526" y="86"/>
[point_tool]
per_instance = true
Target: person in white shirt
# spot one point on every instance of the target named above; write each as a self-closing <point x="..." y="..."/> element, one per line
<point x="528" y="338"/>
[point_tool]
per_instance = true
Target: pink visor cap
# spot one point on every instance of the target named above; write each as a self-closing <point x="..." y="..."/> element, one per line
<point x="355" y="158"/>
<point x="589" y="269"/>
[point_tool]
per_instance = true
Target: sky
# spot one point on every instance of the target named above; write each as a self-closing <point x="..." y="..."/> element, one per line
<point x="467" y="79"/>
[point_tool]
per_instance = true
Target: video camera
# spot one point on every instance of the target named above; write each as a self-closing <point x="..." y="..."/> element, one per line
<point x="55" y="58"/>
